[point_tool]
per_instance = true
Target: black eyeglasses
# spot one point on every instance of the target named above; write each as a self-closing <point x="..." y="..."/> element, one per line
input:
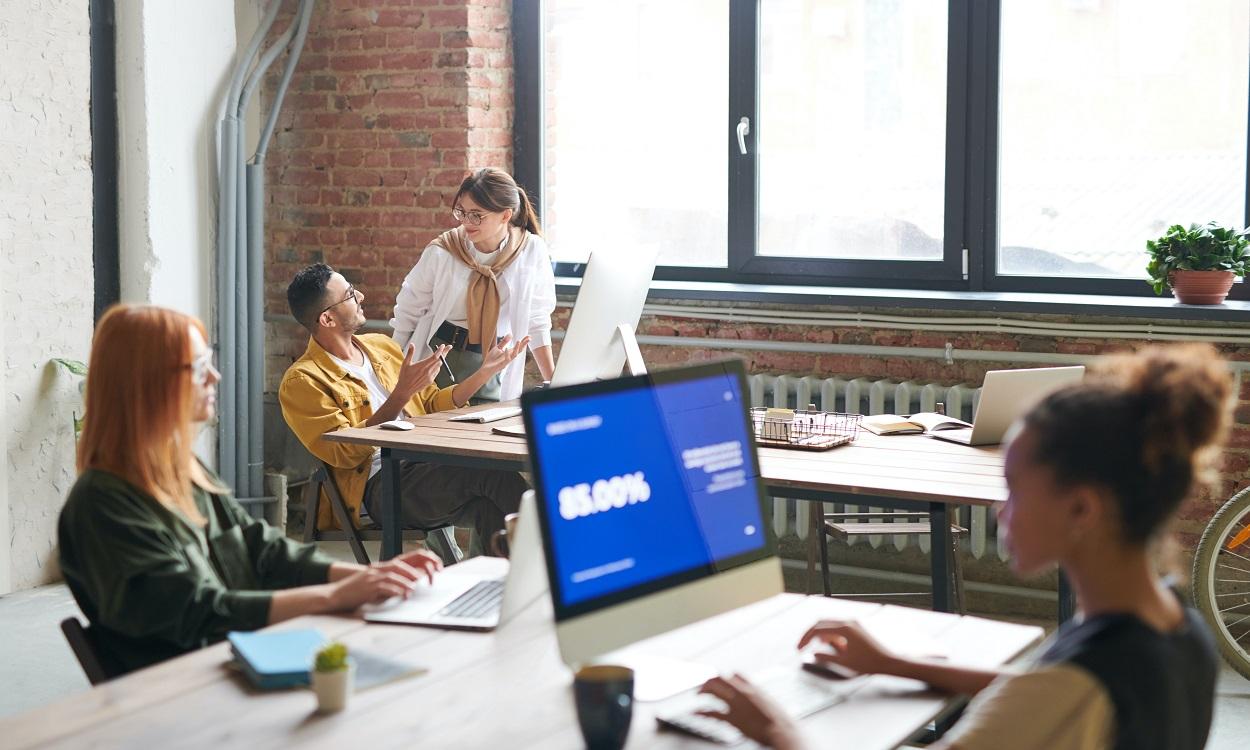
<point x="352" y="295"/>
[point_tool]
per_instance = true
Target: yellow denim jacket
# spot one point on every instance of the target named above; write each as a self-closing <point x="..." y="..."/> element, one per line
<point x="318" y="396"/>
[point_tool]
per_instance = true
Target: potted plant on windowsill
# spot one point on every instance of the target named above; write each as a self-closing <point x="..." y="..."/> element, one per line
<point x="1198" y="263"/>
<point x="332" y="676"/>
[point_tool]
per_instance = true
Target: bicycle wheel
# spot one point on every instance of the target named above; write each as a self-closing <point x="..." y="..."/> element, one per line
<point x="1221" y="580"/>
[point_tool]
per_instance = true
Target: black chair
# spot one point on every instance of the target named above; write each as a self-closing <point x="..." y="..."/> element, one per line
<point x="355" y="537"/>
<point x="81" y="642"/>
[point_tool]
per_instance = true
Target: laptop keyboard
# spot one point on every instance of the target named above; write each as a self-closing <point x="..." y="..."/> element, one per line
<point x="799" y="693"/>
<point x="483" y="599"/>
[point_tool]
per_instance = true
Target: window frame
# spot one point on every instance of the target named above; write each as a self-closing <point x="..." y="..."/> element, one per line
<point x="970" y="236"/>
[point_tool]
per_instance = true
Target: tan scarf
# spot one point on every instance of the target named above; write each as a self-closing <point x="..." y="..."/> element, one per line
<point x="483" y="300"/>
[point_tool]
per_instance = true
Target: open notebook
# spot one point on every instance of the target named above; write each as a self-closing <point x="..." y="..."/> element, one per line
<point x="915" y="424"/>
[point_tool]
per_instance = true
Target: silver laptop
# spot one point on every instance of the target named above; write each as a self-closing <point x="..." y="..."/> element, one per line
<point x="1005" y="397"/>
<point x="470" y="601"/>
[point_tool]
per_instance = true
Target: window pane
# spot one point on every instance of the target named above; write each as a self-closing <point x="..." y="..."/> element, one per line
<point x="1117" y="120"/>
<point x="636" y="98"/>
<point x="853" y="128"/>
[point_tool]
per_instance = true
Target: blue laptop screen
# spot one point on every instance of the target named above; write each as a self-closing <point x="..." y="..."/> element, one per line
<point x="644" y="483"/>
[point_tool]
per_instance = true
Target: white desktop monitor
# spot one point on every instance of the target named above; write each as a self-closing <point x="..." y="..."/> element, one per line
<point x="650" y="504"/>
<point x="613" y="291"/>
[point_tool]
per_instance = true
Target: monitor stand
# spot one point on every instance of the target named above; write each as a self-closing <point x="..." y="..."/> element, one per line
<point x="633" y="355"/>
<point x="659" y="677"/>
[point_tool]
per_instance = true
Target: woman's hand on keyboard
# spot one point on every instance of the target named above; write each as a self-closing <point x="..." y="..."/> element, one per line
<point x="752" y="713"/>
<point x="850" y="646"/>
<point x="383" y="580"/>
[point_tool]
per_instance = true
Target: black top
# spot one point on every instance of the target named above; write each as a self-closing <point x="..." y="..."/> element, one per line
<point x="1161" y="685"/>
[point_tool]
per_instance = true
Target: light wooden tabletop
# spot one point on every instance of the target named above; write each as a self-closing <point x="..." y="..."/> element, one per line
<point x="505" y="689"/>
<point x="911" y="467"/>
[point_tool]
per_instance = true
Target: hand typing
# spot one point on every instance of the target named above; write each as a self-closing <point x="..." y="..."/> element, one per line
<point x="383" y="580"/>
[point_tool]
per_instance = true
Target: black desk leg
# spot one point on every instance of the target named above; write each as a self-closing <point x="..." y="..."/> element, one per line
<point x="940" y="555"/>
<point x="392" y="524"/>
<point x="1067" y="602"/>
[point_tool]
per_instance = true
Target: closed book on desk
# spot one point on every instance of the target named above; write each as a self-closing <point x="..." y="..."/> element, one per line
<point x="277" y="659"/>
<point x="915" y="424"/>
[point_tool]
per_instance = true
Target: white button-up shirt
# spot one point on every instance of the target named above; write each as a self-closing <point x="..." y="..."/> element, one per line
<point x="439" y="282"/>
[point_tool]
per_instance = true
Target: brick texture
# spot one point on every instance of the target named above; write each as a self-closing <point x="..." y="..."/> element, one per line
<point x="1233" y="464"/>
<point x="392" y="103"/>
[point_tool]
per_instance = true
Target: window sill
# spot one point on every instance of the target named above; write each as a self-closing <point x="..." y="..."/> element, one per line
<point x="1156" y="308"/>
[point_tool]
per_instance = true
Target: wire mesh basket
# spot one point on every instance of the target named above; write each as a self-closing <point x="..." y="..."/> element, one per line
<point x="803" y="429"/>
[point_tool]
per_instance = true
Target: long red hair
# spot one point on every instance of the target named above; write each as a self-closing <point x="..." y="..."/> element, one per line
<point x="140" y="405"/>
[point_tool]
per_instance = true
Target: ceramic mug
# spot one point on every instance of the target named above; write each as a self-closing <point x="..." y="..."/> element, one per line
<point x="501" y="541"/>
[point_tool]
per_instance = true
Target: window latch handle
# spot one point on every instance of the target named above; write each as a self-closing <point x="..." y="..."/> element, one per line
<point x="744" y="129"/>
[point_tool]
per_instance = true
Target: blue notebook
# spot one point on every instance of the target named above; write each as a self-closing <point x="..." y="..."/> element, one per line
<point x="276" y="659"/>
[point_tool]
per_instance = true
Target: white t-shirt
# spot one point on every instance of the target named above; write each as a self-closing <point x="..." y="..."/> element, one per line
<point x="377" y="395"/>
<point x="459" y="315"/>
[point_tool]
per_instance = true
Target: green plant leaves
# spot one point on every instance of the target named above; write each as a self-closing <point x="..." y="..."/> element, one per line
<point x="1200" y="247"/>
<point x="74" y="366"/>
<point x="332" y="657"/>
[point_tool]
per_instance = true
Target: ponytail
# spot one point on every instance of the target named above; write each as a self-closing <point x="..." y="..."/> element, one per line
<point x="525" y="216"/>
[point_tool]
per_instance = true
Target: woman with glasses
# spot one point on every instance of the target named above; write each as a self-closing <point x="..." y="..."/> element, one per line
<point x="488" y="278"/>
<point x="157" y="553"/>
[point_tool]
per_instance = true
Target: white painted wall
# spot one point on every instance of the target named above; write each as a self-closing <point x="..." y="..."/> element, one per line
<point x="47" y="288"/>
<point x="173" y="67"/>
<point x="173" y="64"/>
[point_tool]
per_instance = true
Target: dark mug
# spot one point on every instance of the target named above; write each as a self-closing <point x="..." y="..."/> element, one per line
<point x="605" y="704"/>
<point x="501" y="541"/>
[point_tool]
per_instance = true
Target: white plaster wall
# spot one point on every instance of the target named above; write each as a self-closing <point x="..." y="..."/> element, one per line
<point x="47" y="287"/>
<point x="173" y="63"/>
<point x="173" y="66"/>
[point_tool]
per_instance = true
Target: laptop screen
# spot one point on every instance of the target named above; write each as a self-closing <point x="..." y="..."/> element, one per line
<point x="644" y="482"/>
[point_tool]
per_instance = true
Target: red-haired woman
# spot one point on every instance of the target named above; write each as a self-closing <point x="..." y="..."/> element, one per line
<point x="157" y="553"/>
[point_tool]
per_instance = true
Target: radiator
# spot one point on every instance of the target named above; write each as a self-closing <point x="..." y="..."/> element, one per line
<point x="864" y="396"/>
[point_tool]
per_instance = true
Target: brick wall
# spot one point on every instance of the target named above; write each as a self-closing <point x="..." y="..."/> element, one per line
<point x="392" y="103"/>
<point x="394" y="100"/>
<point x="1234" y="465"/>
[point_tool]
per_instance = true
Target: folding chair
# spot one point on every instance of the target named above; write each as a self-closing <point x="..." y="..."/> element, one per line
<point x="844" y="526"/>
<point x="355" y="537"/>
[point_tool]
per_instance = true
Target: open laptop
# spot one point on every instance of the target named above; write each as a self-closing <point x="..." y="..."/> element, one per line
<point x="1005" y="397"/>
<point x="470" y="601"/>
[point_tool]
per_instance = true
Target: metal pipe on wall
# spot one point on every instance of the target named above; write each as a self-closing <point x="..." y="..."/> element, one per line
<point x="227" y="248"/>
<point x="240" y="248"/>
<point x="253" y="435"/>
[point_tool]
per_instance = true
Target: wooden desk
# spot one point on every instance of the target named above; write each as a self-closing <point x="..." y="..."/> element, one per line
<point x="506" y="689"/>
<point x="900" y="472"/>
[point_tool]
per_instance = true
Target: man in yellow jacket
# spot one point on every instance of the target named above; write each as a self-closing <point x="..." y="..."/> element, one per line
<point x="349" y="380"/>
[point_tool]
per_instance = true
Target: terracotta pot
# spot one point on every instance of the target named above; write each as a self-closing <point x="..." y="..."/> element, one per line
<point x="1200" y="287"/>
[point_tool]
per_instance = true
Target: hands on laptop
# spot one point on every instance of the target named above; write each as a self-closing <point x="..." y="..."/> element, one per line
<point x="376" y="583"/>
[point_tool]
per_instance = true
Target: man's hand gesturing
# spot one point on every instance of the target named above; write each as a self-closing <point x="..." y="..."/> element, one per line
<point x="415" y="374"/>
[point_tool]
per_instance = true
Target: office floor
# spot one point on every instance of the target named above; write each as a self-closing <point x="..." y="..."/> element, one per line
<point x="37" y="666"/>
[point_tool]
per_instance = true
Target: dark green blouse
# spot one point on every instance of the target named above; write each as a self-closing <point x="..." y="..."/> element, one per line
<point x="154" y="586"/>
